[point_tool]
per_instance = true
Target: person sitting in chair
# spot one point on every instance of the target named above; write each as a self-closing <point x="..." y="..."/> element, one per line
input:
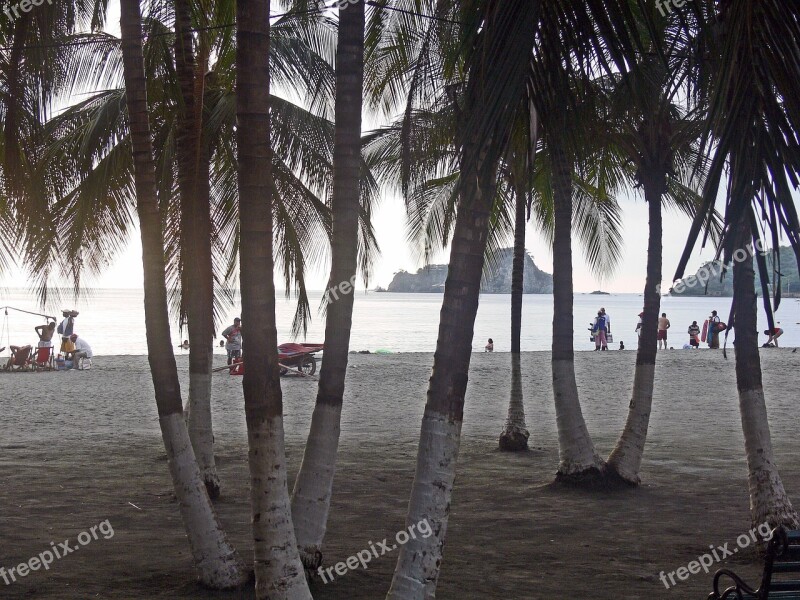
<point x="82" y="350"/>
<point x="19" y="356"/>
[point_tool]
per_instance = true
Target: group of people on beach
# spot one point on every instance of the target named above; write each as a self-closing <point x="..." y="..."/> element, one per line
<point x="601" y="331"/>
<point x="72" y="350"/>
<point x="710" y="332"/>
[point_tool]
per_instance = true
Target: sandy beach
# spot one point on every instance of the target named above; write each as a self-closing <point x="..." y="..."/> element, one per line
<point x="78" y="448"/>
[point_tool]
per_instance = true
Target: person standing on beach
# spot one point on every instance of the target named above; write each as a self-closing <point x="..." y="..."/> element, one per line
<point x="663" y="325"/>
<point x="599" y="332"/>
<point x="233" y="340"/>
<point x="608" y="321"/>
<point x="45" y="333"/>
<point x="713" y="330"/>
<point x="638" y="329"/>
<point x="694" y="335"/>
<point x="66" y="329"/>
<point x="490" y="346"/>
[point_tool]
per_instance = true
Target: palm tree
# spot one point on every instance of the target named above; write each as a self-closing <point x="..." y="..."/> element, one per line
<point x="216" y="561"/>
<point x="506" y="33"/>
<point x="660" y="141"/>
<point x="314" y="485"/>
<point x="753" y="120"/>
<point x="514" y="437"/>
<point x="196" y="233"/>
<point x="279" y="572"/>
<point x="560" y="73"/>
<point x="579" y="461"/>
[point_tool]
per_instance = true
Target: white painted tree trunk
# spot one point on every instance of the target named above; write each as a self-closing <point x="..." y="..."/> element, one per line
<point x="576" y="450"/>
<point x="514" y="437"/>
<point x="311" y="498"/>
<point x="216" y="561"/>
<point x="279" y="572"/>
<point x="418" y="564"/>
<point x="626" y="458"/>
<point x="200" y="429"/>
<point x="768" y="499"/>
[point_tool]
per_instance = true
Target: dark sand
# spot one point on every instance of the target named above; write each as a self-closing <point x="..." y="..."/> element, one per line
<point x="77" y="448"/>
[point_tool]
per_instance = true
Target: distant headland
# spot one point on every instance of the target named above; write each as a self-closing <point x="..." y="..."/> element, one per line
<point x="496" y="277"/>
<point x="695" y="285"/>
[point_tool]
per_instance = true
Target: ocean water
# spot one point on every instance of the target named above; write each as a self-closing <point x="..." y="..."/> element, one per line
<point x="112" y="320"/>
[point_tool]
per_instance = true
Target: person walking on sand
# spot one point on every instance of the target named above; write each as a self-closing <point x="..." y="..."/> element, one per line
<point x="663" y="325"/>
<point x="599" y="332"/>
<point x="233" y="340"/>
<point x="773" y="334"/>
<point x="713" y="330"/>
<point x="694" y="335"/>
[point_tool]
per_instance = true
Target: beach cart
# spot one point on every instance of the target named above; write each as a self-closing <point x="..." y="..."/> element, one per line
<point x="298" y="358"/>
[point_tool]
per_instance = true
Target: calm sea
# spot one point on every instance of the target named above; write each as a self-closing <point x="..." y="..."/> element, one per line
<point x="112" y="320"/>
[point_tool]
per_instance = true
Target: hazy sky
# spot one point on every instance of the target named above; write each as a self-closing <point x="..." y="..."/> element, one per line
<point x="126" y="270"/>
<point x="389" y="223"/>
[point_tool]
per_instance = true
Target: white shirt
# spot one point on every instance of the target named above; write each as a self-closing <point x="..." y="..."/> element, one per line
<point x="82" y="346"/>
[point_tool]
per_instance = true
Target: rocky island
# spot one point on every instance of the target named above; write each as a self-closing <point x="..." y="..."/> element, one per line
<point x="496" y="277"/>
<point x="707" y="281"/>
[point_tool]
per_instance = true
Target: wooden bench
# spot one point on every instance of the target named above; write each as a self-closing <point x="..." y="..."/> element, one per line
<point x="782" y="559"/>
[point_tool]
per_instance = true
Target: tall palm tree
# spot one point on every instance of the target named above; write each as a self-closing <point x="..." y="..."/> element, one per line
<point x="507" y="32"/>
<point x="314" y="485"/>
<point x="753" y="119"/>
<point x="279" y="572"/>
<point x="650" y="130"/>
<point x="514" y="437"/>
<point x="196" y="232"/>
<point x="216" y="561"/>
<point x="579" y="461"/>
<point x="559" y="74"/>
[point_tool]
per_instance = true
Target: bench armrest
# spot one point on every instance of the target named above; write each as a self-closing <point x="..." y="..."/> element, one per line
<point x="734" y="591"/>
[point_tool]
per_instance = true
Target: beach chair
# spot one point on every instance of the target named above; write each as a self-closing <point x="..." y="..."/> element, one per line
<point x="44" y="359"/>
<point x="21" y="359"/>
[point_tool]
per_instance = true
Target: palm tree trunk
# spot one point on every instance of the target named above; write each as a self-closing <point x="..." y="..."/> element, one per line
<point x="518" y="268"/>
<point x="197" y="287"/>
<point x="279" y="572"/>
<point x="514" y="437"/>
<point x="311" y="498"/>
<point x="515" y="433"/>
<point x="626" y="459"/>
<point x="579" y="461"/>
<point x="418" y="563"/>
<point x="768" y="499"/>
<point x="215" y="559"/>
